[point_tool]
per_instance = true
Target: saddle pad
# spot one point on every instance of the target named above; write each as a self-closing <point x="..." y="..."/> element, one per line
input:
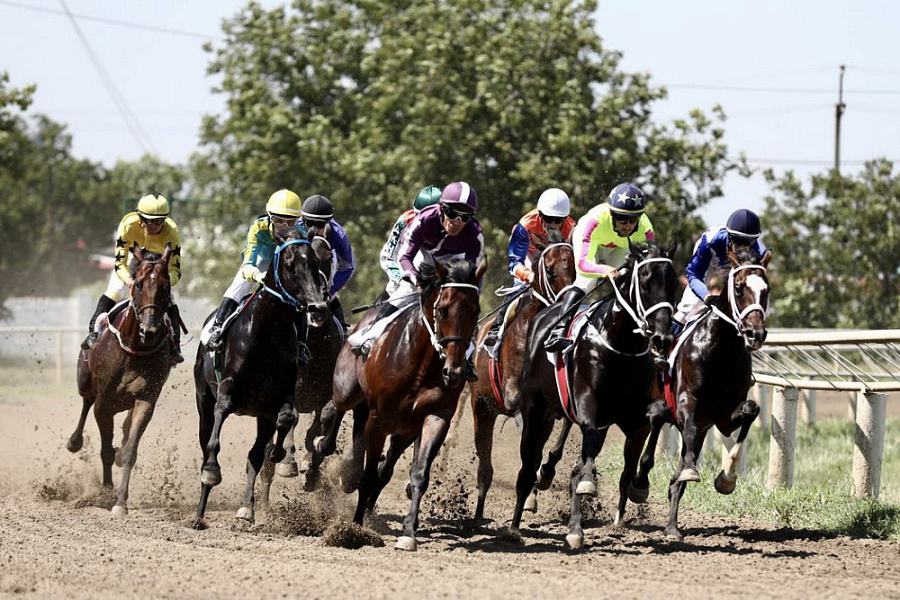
<point x="562" y="363"/>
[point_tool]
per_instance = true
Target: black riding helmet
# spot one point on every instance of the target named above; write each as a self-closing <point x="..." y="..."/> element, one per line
<point x="743" y="226"/>
<point x="317" y="209"/>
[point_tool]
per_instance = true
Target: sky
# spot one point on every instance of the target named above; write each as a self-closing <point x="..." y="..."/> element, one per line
<point x="130" y="77"/>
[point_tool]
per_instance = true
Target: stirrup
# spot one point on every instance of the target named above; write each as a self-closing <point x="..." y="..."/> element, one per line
<point x="215" y="338"/>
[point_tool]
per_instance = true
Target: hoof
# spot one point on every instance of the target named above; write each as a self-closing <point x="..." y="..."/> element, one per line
<point x="198" y="525"/>
<point x="688" y="475"/>
<point x="405" y="542"/>
<point x="75" y="443"/>
<point x="575" y="541"/>
<point x="304" y="466"/>
<point x="409" y="491"/>
<point x="119" y="511"/>
<point x="531" y="502"/>
<point x="544" y="480"/>
<point x="619" y="520"/>
<point x="245" y="513"/>
<point x="319" y="444"/>
<point x="211" y="477"/>
<point x="277" y="455"/>
<point x="287" y="469"/>
<point x="586" y="488"/>
<point x="638" y="495"/>
<point x="723" y="484"/>
<point x="673" y="534"/>
<point x="310" y="480"/>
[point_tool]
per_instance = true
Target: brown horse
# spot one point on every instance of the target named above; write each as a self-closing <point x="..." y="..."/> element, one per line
<point x="712" y="374"/>
<point x="126" y="369"/>
<point x="497" y="390"/>
<point x="408" y="388"/>
<point x="256" y="371"/>
<point x="612" y="373"/>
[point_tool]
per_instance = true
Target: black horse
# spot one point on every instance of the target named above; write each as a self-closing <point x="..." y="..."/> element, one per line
<point x="612" y="374"/>
<point x="256" y="371"/>
<point x="712" y="374"/>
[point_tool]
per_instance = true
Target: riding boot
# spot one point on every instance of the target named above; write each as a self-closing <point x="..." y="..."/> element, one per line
<point x="337" y="309"/>
<point x="176" y="357"/>
<point x="493" y="334"/>
<point x="227" y="307"/>
<point x="557" y="340"/>
<point x="301" y="324"/>
<point x="677" y="327"/>
<point x="104" y="304"/>
<point x="386" y="310"/>
<point x="469" y="370"/>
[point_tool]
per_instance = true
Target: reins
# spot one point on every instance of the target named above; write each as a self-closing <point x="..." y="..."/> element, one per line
<point x="438" y="344"/>
<point x="737" y="316"/>
<point x="280" y="292"/>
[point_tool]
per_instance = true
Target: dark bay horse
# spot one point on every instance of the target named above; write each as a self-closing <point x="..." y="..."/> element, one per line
<point x="612" y="373"/>
<point x="313" y="388"/>
<point x="256" y="371"/>
<point x="497" y="393"/>
<point x="712" y="374"/>
<point x="408" y="388"/>
<point x="126" y="369"/>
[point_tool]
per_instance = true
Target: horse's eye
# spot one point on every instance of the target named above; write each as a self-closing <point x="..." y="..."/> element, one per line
<point x="443" y="311"/>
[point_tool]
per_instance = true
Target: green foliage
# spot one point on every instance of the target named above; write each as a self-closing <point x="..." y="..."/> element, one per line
<point x="366" y="102"/>
<point x="837" y="249"/>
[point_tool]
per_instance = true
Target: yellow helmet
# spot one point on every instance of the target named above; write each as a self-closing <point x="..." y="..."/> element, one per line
<point x="284" y="203"/>
<point x="153" y="206"/>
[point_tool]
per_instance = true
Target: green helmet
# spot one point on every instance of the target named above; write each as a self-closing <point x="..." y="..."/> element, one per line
<point x="430" y="194"/>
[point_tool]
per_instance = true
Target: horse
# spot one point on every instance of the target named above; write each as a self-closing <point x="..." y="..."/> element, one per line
<point x="497" y="393"/>
<point x="408" y="388"/>
<point x="612" y="370"/>
<point x="313" y="387"/>
<point x="712" y="374"/>
<point x="256" y="371"/>
<point x="127" y="368"/>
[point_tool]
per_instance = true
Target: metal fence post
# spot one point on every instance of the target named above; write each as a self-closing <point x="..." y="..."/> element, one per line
<point x="783" y="438"/>
<point x="868" y="450"/>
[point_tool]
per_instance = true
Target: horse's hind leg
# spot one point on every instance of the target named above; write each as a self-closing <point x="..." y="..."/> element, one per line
<point x="537" y="427"/>
<point x="484" y="418"/>
<point x="398" y="445"/>
<point x="287" y="467"/>
<point x="658" y="414"/>
<point x="138" y="419"/>
<point x="374" y="437"/>
<point x="743" y="417"/>
<point x="434" y="431"/>
<point x="678" y="485"/>
<point x="265" y="429"/>
<point x="352" y="464"/>
<point x="126" y="428"/>
<point x="548" y="469"/>
<point x="323" y="445"/>
<point x="76" y="440"/>
<point x="107" y="452"/>
<point x="287" y="417"/>
<point x="687" y="469"/>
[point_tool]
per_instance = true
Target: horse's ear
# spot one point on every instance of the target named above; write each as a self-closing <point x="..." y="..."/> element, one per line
<point x="167" y="253"/>
<point x="635" y="249"/>
<point x="670" y="251"/>
<point x="310" y="235"/>
<point x="766" y="258"/>
<point x="136" y="250"/>
<point x="442" y="269"/>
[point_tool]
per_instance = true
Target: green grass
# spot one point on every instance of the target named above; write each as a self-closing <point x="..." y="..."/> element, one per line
<point x="821" y="496"/>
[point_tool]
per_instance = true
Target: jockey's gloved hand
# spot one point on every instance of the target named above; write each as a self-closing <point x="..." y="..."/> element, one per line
<point x="259" y="277"/>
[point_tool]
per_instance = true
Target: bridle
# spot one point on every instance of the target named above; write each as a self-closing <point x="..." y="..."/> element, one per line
<point x="138" y="310"/>
<point x="437" y="343"/>
<point x="280" y="291"/>
<point x="736" y="319"/>
<point x="546" y="294"/>
<point x="639" y="313"/>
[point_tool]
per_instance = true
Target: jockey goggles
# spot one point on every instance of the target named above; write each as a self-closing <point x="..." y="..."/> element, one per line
<point x="630" y="219"/>
<point x="552" y="220"/>
<point x="456" y="215"/>
<point x="314" y="223"/>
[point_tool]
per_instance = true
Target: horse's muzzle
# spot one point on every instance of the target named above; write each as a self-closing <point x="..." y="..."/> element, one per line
<point x="662" y="343"/>
<point x="318" y="314"/>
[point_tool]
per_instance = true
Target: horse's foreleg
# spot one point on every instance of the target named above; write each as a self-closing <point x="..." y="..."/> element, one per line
<point x="265" y="429"/>
<point x="434" y="431"/>
<point x="138" y="419"/>
<point x="658" y="414"/>
<point x="107" y="451"/>
<point x="537" y="426"/>
<point x="677" y="485"/>
<point x="743" y="417"/>
<point x="324" y="445"/>
<point x="205" y="403"/>
<point x="352" y="463"/>
<point x="484" y="418"/>
<point x="583" y="482"/>
<point x="629" y="486"/>
<point x="548" y="469"/>
<point x="76" y="440"/>
<point x="287" y="467"/>
<point x="126" y="428"/>
<point x="211" y="473"/>
<point x="690" y="450"/>
<point x="396" y="448"/>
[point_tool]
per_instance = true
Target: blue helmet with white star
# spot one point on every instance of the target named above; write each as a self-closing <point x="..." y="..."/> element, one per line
<point x="627" y="199"/>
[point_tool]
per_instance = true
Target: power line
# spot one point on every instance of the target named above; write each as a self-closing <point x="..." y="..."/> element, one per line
<point x="774" y="90"/>
<point x="131" y="120"/>
<point x="192" y="34"/>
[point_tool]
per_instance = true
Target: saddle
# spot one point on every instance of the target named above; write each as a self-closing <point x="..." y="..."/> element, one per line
<point x="512" y="311"/>
<point x="562" y="361"/>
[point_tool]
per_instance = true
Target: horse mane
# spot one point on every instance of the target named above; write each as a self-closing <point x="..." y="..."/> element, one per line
<point x="458" y="271"/>
<point x="746" y="255"/>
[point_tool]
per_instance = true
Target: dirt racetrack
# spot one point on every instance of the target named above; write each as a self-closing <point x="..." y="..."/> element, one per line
<point x="58" y="539"/>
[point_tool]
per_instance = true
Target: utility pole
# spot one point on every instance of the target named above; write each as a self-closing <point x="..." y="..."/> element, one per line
<point x="838" y="111"/>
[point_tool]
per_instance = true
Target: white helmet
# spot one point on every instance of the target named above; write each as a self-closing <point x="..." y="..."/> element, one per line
<point x="554" y="203"/>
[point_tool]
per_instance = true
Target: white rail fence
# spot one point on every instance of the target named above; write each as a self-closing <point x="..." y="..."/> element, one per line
<point x="865" y="364"/>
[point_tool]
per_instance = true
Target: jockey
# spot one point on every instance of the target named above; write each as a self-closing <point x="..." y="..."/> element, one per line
<point x="710" y="258"/>
<point x="282" y="214"/>
<point x="318" y="215"/>
<point x="151" y="228"/>
<point x="600" y="241"/>
<point x="446" y="230"/>
<point x="528" y="238"/>
<point x="427" y="196"/>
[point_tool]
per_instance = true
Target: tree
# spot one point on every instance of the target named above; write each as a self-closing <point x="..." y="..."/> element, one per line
<point x="366" y="102"/>
<point x="836" y="249"/>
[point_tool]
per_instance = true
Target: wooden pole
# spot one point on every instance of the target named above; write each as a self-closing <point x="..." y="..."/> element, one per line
<point x="868" y="451"/>
<point x="783" y="438"/>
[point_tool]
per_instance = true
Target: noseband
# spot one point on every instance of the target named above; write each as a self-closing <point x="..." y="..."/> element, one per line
<point x="432" y="331"/>
<point x="737" y="317"/>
